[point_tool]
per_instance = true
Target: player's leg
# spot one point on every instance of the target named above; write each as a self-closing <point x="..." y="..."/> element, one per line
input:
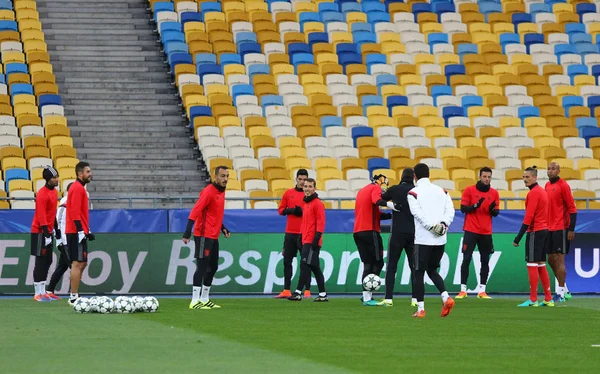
<point x="78" y="254"/>
<point x="567" y="294"/>
<point x="47" y="255"/>
<point x="201" y="254"/>
<point x="486" y="248"/>
<point x="409" y="248"/>
<point x="468" y="246"/>
<point x="435" y="257"/>
<point x="366" y="250"/>
<point x="211" y="269"/>
<point x="394" y="252"/>
<point x="289" y="253"/>
<point x="421" y="254"/>
<point x="557" y="249"/>
<point x="315" y="267"/>
<point x="304" y="278"/>
<point x="540" y="257"/>
<point x="532" y="271"/>
<point x="61" y="268"/>
<point x="37" y="246"/>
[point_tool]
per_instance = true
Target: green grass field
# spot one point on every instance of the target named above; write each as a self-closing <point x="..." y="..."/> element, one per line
<point x="278" y="336"/>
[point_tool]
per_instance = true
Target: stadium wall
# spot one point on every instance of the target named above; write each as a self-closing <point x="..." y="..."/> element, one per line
<point x="136" y="254"/>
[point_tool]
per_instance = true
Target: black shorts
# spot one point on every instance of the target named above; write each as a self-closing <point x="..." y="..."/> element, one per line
<point x="535" y="246"/>
<point x="428" y="256"/>
<point x="291" y="245"/>
<point x="310" y="254"/>
<point x="77" y="251"/>
<point x="558" y="242"/>
<point x="369" y="245"/>
<point x="484" y="243"/>
<point x="37" y="245"/>
<point x="206" y="247"/>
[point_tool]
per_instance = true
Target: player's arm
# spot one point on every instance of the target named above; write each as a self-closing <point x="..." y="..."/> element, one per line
<point x="74" y="205"/>
<point x="417" y="211"/>
<point x="197" y="210"/>
<point x="225" y="231"/>
<point x="285" y="209"/>
<point x="465" y="202"/>
<point x="388" y="196"/>
<point x="494" y="210"/>
<point x="40" y="213"/>
<point x="528" y="219"/>
<point x="320" y="224"/>
<point x="376" y="197"/>
<point x="448" y="210"/>
<point x="571" y="209"/>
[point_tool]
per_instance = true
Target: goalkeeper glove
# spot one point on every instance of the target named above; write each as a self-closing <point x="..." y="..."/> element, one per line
<point x="440" y="229"/>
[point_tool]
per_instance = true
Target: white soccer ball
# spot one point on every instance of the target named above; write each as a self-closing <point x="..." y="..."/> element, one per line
<point x="82" y="305"/>
<point x="150" y="304"/>
<point x="372" y="282"/>
<point x="105" y="305"/>
<point x="123" y="305"/>
<point x="138" y="303"/>
<point x="94" y="301"/>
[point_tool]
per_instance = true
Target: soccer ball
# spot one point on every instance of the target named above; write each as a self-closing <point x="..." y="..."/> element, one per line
<point x="82" y="305"/>
<point x="94" y="301"/>
<point x="138" y="303"/>
<point x="123" y="305"/>
<point x="105" y="305"/>
<point x="150" y="304"/>
<point x="372" y="282"/>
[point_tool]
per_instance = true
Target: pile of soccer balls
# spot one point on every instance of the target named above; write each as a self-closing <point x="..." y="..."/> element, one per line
<point x="120" y="305"/>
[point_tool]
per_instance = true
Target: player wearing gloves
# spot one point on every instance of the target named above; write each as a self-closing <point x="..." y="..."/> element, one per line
<point x="206" y="218"/>
<point x="291" y="206"/>
<point x="77" y="227"/>
<point x="433" y="211"/>
<point x="479" y="203"/>
<point x="367" y="230"/>
<point x="61" y="242"/>
<point x="312" y="228"/>
<point x="42" y="227"/>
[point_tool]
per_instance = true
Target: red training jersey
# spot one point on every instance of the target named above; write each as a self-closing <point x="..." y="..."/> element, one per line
<point x="536" y="209"/>
<point x="291" y="199"/>
<point x="77" y="208"/>
<point x="479" y="221"/>
<point x="313" y="221"/>
<point x="208" y="212"/>
<point x="561" y="205"/>
<point x="366" y="211"/>
<point x="46" y="204"/>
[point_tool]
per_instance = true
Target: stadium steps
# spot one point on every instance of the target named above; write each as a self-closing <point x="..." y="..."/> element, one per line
<point x="123" y="112"/>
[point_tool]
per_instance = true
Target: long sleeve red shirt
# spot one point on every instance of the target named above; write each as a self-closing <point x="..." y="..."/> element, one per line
<point x="208" y="212"/>
<point x="366" y="211"/>
<point x="77" y="208"/>
<point x="561" y="205"/>
<point x="313" y="221"/>
<point x="536" y="209"/>
<point x="479" y="221"/>
<point x="46" y="203"/>
<point x="292" y="198"/>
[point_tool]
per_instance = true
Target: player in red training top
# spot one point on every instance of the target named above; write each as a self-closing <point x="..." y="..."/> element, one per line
<point x="479" y="204"/>
<point x="77" y="227"/>
<point x="207" y="220"/>
<point x="312" y="228"/>
<point x="562" y="217"/>
<point x="535" y="224"/>
<point x="367" y="230"/>
<point x="291" y="206"/>
<point x="44" y="222"/>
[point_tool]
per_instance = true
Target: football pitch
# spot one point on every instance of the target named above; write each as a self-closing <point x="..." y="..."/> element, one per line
<point x="260" y="335"/>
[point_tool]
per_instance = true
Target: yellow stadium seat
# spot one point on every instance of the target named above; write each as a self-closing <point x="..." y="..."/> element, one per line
<point x="12" y="162"/>
<point x="437" y="132"/>
<point x="389" y="173"/>
<point x="66" y="162"/>
<point x="542" y="142"/>
<point x="446" y="153"/>
<point x="527" y="153"/>
<point x="530" y="162"/>
<point x="587" y="163"/>
<point x="565" y="163"/>
<point x="436" y="174"/>
<point x="19" y="185"/>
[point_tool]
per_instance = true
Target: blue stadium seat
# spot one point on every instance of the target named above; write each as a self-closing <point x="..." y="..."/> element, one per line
<point x="562" y="49"/>
<point x="586" y="48"/>
<point x="377" y="17"/>
<point x="245" y="48"/>
<point x="15" y="67"/>
<point x="270" y="100"/>
<point x="230" y="58"/>
<point x="307" y="17"/>
<point x="588" y="133"/>
<point x="348" y="58"/>
<point x="172" y="36"/>
<point x="582" y="9"/>
<point x="317" y="37"/>
<point x="377" y="163"/>
<point x="175" y="59"/>
<point x="586" y="122"/>
<point x="363" y="37"/>
<point x="206" y="69"/>
<point x="439" y="90"/>
<point x="454" y="69"/>
<point x="176" y="47"/>
<point x="441" y="8"/>
<point x="346" y="47"/>
<point x="327" y="17"/>
<point x="21" y="88"/>
<point x="419" y="8"/>
<point x="593" y="102"/>
<point x="7" y="4"/>
<point x="329" y="121"/>
<point x="370" y="100"/>
<point x="15" y="174"/>
<point x="349" y="7"/>
<point x="393" y="101"/>
<point x="207" y="7"/>
<point x="241" y="89"/>
<point x="518" y="18"/>
<point x="374" y="59"/>
<point x="245" y="37"/>
<point x="385" y="80"/>
<point x="360" y="131"/>
<point x="580" y="38"/>
<point x="467" y="48"/>
<point x="8" y="26"/>
<point x="527" y="111"/>
<point x="530" y="39"/>
<point x="361" y="27"/>
<point x="162" y="6"/>
<point x="170" y="26"/>
<point x="294" y="48"/>
<point x="372" y="6"/>
<point x="596" y="72"/>
<point x="199" y="111"/>
<point x="574" y="28"/>
<point x="258" y="69"/>
<point x="190" y="17"/>
<point x="469" y="101"/>
<point x="452" y="111"/>
<point x="49" y="99"/>
<point x="539" y="8"/>
<point x="206" y="58"/>
<point x="302" y="58"/>
<point x="490" y="7"/>
<point x="569" y="101"/>
<point x="328" y="7"/>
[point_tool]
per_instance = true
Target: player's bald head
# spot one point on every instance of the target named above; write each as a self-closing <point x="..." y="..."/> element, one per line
<point x="554" y="165"/>
<point x="553" y="170"/>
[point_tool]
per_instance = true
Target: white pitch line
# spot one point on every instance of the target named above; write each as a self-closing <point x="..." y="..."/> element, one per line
<point x="595" y="345"/>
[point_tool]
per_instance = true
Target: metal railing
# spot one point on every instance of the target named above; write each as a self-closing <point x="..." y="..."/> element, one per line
<point x="157" y="201"/>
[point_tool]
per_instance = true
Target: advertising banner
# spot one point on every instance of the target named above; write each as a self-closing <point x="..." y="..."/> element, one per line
<point x="252" y="263"/>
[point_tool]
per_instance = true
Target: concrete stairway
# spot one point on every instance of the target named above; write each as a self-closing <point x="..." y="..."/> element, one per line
<point x="122" y="109"/>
